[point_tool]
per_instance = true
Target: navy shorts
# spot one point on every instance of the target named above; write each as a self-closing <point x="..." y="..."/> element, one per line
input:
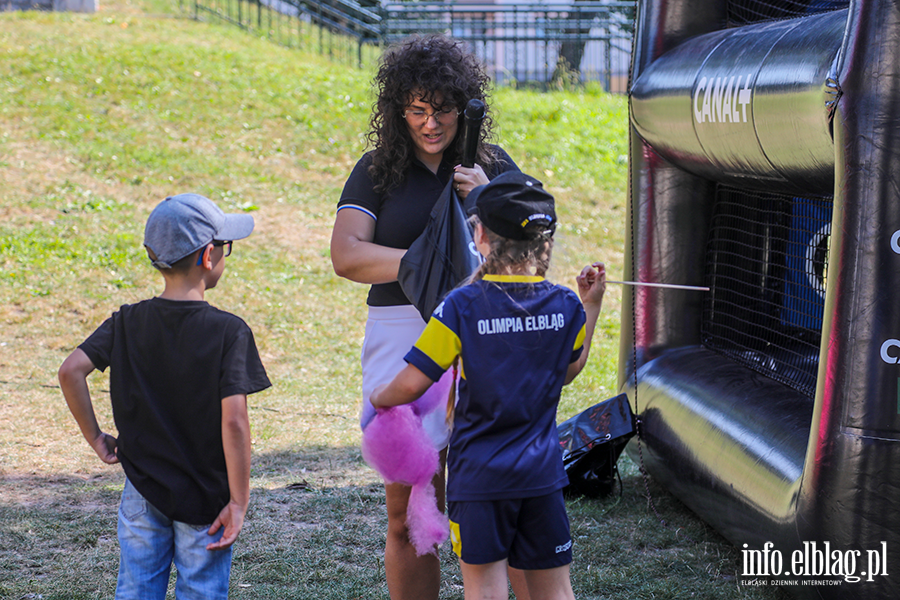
<point x="531" y="533"/>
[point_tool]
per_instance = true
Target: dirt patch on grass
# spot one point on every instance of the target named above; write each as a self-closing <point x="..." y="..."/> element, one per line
<point x="35" y="169"/>
<point x="90" y="493"/>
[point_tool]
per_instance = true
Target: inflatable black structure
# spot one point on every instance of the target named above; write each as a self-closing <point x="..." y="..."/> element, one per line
<point x="765" y="164"/>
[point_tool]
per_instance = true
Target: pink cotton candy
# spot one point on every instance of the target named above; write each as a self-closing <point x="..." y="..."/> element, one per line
<point x="428" y="527"/>
<point x="395" y="444"/>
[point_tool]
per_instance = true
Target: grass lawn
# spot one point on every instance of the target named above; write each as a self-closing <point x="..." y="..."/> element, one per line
<point x="102" y="116"/>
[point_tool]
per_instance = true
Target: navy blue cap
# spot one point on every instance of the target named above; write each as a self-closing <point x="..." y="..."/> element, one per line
<point x="514" y="205"/>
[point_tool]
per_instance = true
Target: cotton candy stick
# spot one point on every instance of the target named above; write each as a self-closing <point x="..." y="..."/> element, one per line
<point x="671" y="286"/>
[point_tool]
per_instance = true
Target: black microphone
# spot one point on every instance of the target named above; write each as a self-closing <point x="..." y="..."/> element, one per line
<point x="474" y="115"/>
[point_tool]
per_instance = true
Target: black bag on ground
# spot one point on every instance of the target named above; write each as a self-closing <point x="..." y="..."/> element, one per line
<point x="441" y="258"/>
<point x="591" y="443"/>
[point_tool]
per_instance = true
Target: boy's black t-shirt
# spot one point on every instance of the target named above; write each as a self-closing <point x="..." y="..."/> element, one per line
<point x="171" y="364"/>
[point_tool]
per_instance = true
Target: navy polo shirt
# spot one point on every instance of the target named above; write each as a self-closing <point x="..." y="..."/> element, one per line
<point x="401" y="214"/>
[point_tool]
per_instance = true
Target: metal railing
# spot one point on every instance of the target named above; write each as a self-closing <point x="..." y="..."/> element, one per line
<point x="535" y="44"/>
<point x="340" y="29"/>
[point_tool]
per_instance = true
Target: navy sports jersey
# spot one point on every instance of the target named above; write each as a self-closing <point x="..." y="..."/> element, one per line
<point x="516" y="336"/>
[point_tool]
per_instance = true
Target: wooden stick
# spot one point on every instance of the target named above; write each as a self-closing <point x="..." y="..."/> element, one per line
<point x="672" y="286"/>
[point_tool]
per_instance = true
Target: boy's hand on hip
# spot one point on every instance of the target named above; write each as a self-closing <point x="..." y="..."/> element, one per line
<point x="105" y="447"/>
<point x="232" y="519"/>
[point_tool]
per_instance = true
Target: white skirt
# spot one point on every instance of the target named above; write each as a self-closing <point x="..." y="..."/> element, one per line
<point x="391" y="331"/>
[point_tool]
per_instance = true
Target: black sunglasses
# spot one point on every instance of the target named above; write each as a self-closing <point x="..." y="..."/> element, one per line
<point x="228" y="245"/>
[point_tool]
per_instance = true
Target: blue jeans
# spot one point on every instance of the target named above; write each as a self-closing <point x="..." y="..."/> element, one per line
<point x="149" y="543"/>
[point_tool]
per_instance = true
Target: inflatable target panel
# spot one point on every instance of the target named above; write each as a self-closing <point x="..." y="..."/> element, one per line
<point x="765" y="164"/>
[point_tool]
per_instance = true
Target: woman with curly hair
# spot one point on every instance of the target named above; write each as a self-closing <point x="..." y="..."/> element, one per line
<point x="423" y="85"/>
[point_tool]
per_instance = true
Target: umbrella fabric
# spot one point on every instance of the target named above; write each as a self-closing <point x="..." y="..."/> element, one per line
<point x="441" y="258"/>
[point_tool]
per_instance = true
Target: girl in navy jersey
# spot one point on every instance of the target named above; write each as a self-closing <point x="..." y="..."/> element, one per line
<point x="519" y="340"/>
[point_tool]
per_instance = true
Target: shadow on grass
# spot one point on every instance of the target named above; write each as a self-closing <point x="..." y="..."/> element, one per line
<point x="316" y="527"/>
<point x="623" y="550"/>
<point x="58" y="536"/>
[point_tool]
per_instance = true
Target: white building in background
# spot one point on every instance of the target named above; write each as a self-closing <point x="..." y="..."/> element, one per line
<point x="519" y="40"/>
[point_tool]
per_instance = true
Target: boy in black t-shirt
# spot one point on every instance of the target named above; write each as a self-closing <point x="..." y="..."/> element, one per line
<point x="180" y="373"/>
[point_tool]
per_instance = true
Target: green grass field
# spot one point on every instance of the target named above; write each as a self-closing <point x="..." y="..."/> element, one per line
<point x="102" y="116"/>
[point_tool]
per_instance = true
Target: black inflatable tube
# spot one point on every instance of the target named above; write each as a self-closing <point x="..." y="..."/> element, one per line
<point x="721" y="450"/>
<point x="747" y="104"/>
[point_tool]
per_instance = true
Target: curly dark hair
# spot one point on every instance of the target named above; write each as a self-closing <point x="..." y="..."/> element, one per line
<point x="434" y="66"/>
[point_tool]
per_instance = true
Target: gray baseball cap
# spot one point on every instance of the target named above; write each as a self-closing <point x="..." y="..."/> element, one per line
<point x="180" y="225"/>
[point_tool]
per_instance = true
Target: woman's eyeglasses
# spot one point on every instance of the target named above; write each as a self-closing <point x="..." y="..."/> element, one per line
<point x="418" y="117"/>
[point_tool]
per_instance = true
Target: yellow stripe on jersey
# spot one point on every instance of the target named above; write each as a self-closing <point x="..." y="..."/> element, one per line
<point x="455" y="540"/>
<point x="439" y="343"/>
<point x="514" y="278"/>
<point x="579" y="339"/>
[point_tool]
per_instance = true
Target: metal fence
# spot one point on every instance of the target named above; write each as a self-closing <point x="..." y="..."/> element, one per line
<point x="341" y="30"/>
<point x="533" y="44"/>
